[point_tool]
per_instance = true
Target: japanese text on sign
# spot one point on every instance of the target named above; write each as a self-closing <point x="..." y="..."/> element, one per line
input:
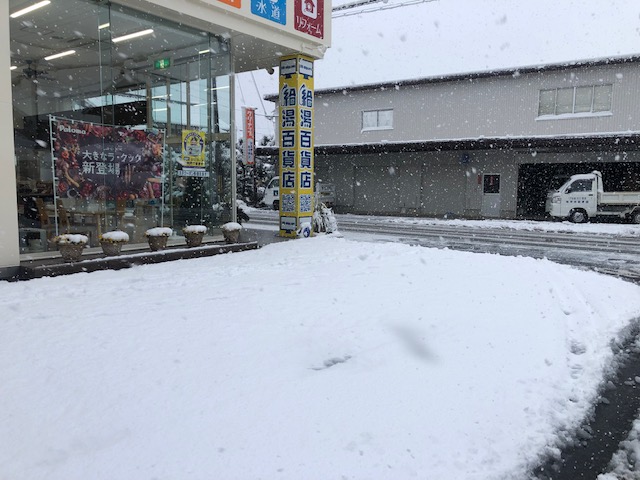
<point x="296" y="143"/>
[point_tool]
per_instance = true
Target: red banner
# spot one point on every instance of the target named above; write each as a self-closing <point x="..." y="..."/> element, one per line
<point x="94" y="161"/>
<point x="249" y="136"/>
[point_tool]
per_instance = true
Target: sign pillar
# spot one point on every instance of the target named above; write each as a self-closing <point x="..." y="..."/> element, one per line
<point x="296" y="145"/>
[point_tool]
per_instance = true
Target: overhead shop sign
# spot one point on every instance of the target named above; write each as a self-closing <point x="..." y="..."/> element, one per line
<point x="308" y="15"/>
<point x="274" y="10"/>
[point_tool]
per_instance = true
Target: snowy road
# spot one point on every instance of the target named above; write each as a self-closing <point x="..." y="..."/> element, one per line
<point x="607" y="248"/>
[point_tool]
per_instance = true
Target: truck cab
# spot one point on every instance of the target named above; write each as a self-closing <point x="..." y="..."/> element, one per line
<point x="576" y="199"/>
<point x="582" y="197"/>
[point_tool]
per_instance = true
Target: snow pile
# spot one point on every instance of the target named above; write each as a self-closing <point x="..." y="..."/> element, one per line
<point x="231" y="227"/>
<point x="159" y="232"/>
<point x="71" y="238"/>
<point x="115" y="236"/>
<point x="195" y="229"/>
<point x="316" y="359"/>
<point x="622" y="230"/>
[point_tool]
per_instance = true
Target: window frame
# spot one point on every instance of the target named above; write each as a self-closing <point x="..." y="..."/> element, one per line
<point x="595" y="109"/>
<point x="377" y="126"/>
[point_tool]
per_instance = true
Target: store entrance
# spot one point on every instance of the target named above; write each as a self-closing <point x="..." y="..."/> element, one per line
<point x="103" y="104"/>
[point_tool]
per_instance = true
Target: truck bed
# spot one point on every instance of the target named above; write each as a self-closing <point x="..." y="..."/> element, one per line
<point x="619" y="198"/>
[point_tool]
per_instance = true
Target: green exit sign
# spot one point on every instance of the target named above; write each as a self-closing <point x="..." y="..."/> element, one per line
<point x="162" y="63"/>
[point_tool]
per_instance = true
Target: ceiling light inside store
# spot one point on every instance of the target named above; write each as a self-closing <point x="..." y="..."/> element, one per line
<point x="58" y="55"/>
<point x="104" y="25"/>
<point x="13" y="67"/>
<point x="202" y="52"/>
<point x="217" y="88"/>
<point x="33" y="7"/>
<point x="141" y="33"/>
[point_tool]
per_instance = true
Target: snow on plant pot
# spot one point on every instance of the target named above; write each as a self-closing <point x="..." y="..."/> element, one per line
<point x="231" y="232"/>
<point x="112" y="242"/>
<point x="193" y="234"/>
<point x="158" y="237"/>
<point x="71" y="246"/>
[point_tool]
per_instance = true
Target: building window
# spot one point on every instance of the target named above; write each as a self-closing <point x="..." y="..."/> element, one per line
<point x="584" y="100"/>
<point x="377" y="120"/>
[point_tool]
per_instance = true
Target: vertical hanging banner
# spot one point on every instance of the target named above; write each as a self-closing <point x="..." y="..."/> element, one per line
<point x="249" y="115"/>
<point x="296" y="144"/>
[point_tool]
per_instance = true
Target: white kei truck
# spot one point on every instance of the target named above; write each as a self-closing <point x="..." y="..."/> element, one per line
<point x="325" y="193"/>
<point x="582" y="197"/>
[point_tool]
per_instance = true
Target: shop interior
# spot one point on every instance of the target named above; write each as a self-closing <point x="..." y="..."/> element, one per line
<point x="102" y="98"/>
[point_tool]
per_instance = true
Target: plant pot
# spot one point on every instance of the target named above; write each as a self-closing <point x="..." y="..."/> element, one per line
<point x="194" y="239"/>
<point x="71" y="252"/>
<point x="231" y="236"/>
<point x="157" y="243"/>
<point x="111" y="248"/>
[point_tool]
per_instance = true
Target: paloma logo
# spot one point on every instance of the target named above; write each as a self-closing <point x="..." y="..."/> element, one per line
<point x="71" y="130"/>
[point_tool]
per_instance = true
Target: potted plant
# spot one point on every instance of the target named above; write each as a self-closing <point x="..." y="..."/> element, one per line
<point x="231" y="232"/>
<point x="71" y="246"/>
<point x="193" y="234"/>
<point x="112" y="242"/>
<point x="158" y="237"/>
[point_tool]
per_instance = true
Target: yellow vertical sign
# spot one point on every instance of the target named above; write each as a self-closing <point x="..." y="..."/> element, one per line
<point x="296" y="145"/>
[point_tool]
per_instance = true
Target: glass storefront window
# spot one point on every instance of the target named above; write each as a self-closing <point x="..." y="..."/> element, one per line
<point x="122" y="121"/>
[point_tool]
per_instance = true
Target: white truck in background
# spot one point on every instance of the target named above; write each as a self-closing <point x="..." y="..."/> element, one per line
<point x="583" y="197"/>
<point x="325" y="193"/>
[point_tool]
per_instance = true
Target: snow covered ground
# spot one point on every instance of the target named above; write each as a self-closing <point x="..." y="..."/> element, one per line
<point x="604" y="228"/>
<point x="321" y="358"/>
<point x="599" y="228"/>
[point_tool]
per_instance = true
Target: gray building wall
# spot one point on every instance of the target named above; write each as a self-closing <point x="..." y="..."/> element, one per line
<point x="449" y="181"/>
<point x="496" y="107"/>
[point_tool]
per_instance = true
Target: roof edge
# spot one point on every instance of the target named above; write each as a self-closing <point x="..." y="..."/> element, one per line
<point x="610" y="142"/>
<point x="512" y="71"/>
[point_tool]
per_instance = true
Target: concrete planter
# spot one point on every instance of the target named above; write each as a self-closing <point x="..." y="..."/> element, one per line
<point x="157" y="237"/>
<point x="193" y="234"/>
<point x="71" y="246"/>
<point x="111" y="242"/>
<point x="71" y="252"/>
<point x="231" y="232"/>
<point x="157" y="243"/>
<point x="111" y="248"/>
<point x="231" y="236"/>
<point x="194" y="239"/>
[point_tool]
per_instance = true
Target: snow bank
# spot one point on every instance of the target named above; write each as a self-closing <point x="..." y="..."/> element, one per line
<point x="317" y="359"/>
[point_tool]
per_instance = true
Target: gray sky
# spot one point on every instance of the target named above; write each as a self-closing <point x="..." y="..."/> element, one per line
<point x="458" y="36"/>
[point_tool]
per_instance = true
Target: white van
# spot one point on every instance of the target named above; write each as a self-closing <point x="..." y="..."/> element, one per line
<point x="272" y="194"/>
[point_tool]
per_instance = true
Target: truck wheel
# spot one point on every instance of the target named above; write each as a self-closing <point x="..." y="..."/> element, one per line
<point x="635" y="217"/>
<point x="578" y="216"/>
<point x="276" y="204"/>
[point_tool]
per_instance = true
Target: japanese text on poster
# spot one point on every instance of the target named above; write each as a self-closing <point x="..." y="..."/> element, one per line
<point x="94" y="161"/>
